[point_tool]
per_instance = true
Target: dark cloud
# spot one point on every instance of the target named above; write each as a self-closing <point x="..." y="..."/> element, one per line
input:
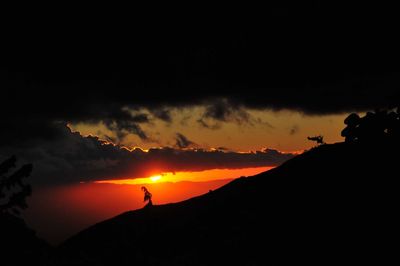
<point x="71" y="157"/>
<point x="182" y="141"/>
<point x="296" y="57"/>
<point x="125" y="121"/>
<point x="162" y="113"/>
<point x="140" y="118"/>
<point x="124" y="127"/>
<point x="224" y="111"/>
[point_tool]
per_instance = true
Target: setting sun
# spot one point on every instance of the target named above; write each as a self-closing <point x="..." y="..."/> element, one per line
<point x="155" y="178"/>
<point x="200" y="176"/>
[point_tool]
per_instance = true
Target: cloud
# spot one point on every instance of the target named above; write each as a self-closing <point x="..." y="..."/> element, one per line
<point x="162" y="113"/>
<point x="301" y="63"/>
<point x="224" y="111"/>
<point x="209" y="125"/>
<point x="69" y="158"/>
<point x="182" y="141"/>
<point x="126" y="121"/>
<point x="292" y="64"/>
<point x="124" y="127"/>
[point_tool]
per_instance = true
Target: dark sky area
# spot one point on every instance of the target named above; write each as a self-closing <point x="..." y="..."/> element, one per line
<point x="311" y="57"/>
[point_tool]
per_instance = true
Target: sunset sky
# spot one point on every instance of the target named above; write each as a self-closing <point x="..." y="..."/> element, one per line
<point x="101" y="109"/>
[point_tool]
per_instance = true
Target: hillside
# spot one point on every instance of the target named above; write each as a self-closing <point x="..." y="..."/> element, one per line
<point x="19" y="244"/>
<point x="333" y="204"/>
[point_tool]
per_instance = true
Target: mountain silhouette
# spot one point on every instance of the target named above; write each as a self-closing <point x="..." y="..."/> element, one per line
<point x="336" y="203"/>
<point x="19" y="243"/>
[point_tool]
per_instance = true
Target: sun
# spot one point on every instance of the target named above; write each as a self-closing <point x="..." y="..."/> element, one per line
<point x="155" y="178"/>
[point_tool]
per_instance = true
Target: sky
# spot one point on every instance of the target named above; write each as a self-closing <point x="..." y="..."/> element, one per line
<point x="133" y="97"/>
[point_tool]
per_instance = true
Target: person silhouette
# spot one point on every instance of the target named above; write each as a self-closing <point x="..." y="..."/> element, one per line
<point x="147" y="197"/>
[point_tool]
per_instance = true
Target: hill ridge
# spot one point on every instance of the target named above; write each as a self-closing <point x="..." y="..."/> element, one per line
<point x="334" y="192"/>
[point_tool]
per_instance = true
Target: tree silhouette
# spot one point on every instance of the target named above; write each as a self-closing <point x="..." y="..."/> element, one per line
<point x="319" y="139"/>
<point x="13" y="191"/>
<point x="374" y="126"/>
<point x="147" y="197"/>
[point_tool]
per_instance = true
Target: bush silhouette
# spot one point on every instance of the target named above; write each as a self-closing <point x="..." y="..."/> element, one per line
<point x="374" y="126"/>
<point x="13" y="191"/>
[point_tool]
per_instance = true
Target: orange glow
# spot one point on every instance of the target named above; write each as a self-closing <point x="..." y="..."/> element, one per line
<point x="77" y="206"/>
<point x="202" y="176"/>
<point x="155" y="178"/>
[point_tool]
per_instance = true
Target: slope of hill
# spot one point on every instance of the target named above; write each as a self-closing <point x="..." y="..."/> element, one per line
<point x="19" y="244"/>
<point x="333" y="204"/>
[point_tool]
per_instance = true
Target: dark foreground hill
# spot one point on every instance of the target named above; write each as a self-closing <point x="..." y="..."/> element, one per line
<point x="334" y="204"/>
<point x="19" y="244"/>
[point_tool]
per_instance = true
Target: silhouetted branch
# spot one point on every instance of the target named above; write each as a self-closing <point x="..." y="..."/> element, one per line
<point x="13" y="191"/>
<point x="319" y="139"/>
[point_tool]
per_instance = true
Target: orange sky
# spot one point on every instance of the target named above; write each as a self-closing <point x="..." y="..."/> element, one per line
<point x="201" y="176"/>
<point x="74" y="207"/>
<point x="61" y="211"/>
<point x="286" y="131"/>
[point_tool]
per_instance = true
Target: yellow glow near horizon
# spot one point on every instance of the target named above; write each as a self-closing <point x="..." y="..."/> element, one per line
<point x="201" y="176"/>
<point x="155" y="178"/>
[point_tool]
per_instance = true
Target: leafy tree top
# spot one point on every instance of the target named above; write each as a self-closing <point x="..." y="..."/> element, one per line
<point x="374" y="126"/>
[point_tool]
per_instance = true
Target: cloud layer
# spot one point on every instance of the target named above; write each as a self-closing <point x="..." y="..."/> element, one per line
<point x="296" y="57"/>
<point x="70" y="158"/>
